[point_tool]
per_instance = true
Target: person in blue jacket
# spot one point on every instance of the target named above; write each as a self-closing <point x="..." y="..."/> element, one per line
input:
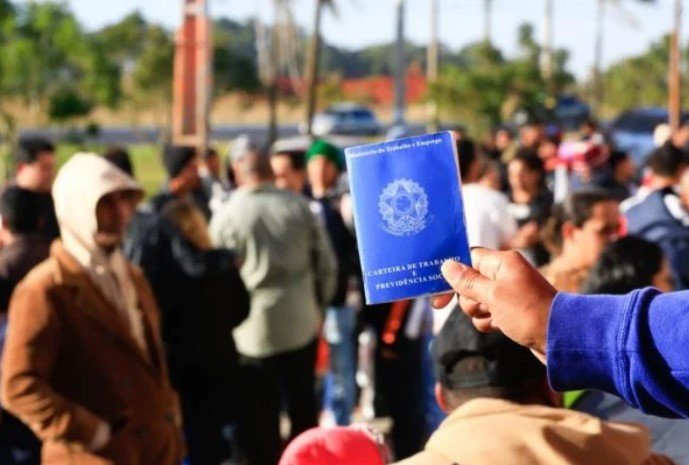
<point x="635" y="346"/>
<point x="663" y="216"/>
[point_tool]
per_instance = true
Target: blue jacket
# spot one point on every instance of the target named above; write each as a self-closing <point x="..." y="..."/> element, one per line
<point x="652" y="221"/>
<point x="634" y="346"/>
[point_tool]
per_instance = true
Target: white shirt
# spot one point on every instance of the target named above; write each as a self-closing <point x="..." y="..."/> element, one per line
<point x="488" y="220"/>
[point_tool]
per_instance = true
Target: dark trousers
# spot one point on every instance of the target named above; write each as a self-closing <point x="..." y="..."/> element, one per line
<point x="207" y="409"/>
<point x="265" y="384"/>
<point x="400" y="393"/>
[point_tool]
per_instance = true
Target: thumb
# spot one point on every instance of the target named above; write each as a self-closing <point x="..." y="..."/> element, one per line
<point x="467" y="282"/>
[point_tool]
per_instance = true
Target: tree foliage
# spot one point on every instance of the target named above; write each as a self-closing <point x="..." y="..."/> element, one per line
<point x="485" y="87"/>
<point x="639" y="80"/>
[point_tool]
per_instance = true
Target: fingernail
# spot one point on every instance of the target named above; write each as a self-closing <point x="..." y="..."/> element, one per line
<point x="451" y="268"/>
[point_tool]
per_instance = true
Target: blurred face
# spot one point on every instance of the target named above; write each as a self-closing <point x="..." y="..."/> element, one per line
<point x="503" y="139"/>
<point x="114" y="212"/>
<point x="286" y="177"/>
<point x="681" y="137"/>
<point x="187" y="180"/>
<point x="213" y="165"/>
<point x="684" y="188"/>
<point x="625" y="171"/>
<point x="322" y="173"/>
<point x="663" y="278"/>
<point x="491" y="178"/>
<point x="547" y="151"/>
<point x="600" y="230"/>
<point x="587" y="130"/>
<point x="532" y="135"/>
<point x="39" y="175"/>
<point x="521" y="178"/>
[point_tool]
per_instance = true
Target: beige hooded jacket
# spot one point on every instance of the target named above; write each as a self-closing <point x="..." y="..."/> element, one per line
<point x="81" y="183"/>
<point x="495" y="431"/>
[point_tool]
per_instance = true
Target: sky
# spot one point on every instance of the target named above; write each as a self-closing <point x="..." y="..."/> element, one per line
<point x="629" y="28"/>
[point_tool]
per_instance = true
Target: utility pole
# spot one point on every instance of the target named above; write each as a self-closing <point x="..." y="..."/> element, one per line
<point x="487" y="19"/>
<point x="400" y="67"/>
<point x="192" y="82"/>
<point x="432" y="64"/>
<point x="547" y="51"/>
<point x="312" y="67"/>
<point x="674" y="71"/>
<point x="598" y="87"/>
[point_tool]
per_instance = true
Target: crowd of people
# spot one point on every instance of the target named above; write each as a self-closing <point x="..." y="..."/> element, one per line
<point x="221" y="320"/>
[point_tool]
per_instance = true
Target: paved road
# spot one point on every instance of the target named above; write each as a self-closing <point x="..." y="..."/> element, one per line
<point x="128" y="135"/>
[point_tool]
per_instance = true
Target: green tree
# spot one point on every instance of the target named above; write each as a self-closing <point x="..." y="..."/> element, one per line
<point x="485" y="87"/>
<point x="152" y="75"/>
<point x="46" y="49"/>
<point x="234" y="64"/>
<point x="639" y="80"/>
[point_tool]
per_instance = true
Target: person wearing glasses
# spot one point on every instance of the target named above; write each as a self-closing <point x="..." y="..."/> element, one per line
<point x="577" y="233"/>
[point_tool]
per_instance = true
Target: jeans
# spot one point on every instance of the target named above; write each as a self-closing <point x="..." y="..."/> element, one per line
<point x="339" y="329"/>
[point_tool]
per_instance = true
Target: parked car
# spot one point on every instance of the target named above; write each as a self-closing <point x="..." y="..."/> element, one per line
<point x="632" y="131"/>
<point x="570" y="112"/>
<point x="345" y="119"/>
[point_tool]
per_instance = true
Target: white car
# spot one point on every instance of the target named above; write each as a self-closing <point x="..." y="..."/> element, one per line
<point x="345" y="119"/>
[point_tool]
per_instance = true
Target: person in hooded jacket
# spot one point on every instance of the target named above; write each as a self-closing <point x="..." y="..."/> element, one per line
<point x="83" y="363"/>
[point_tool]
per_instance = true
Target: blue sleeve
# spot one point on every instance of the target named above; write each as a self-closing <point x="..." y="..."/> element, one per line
<point x="634" y="346"/>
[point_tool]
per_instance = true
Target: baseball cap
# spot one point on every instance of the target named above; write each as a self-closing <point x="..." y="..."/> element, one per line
<point x="465" y="358"/>
<point x="336" y="446"/>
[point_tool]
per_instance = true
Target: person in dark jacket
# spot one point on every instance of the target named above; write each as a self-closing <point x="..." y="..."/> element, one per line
<point x="35" y="172"/>
<point x="119" y="156"/>
<point x="325" y="162"/>
<point x="663" y="218"/>
<point x="213" y="188"/>
<point x="182" y="167"/>
<point x="202" y="299"/>
<point x="24" y="248"/>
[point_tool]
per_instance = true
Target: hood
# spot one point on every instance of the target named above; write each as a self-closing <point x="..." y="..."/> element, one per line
<point x="497" y="431"/>
<point x="652" y="220"/>
<point x="79" y="185"/>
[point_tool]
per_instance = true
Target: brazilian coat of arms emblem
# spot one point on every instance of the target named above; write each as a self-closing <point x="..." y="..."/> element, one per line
<point x="403" y="205"/>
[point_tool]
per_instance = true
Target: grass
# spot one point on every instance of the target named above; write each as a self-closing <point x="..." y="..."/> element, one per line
<point x="146" y="158"/>
<point x="148" y="167"/>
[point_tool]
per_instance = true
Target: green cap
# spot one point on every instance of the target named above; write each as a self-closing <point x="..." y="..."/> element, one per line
<point x="321" y="148"/>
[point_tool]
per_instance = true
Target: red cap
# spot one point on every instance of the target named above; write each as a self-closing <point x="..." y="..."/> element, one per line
<point x="334" y="446"/>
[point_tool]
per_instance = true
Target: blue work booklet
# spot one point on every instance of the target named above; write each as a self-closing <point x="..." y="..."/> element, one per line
<point x="408" y="214"/>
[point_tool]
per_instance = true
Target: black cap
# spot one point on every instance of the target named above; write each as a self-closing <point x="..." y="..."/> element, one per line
<point x="176" y="158"/>
<point x="465" y="358"/>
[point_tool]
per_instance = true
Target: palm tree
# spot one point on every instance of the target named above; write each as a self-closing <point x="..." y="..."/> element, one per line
<point x="432" y="67"/>
<point x="547" y="49"/>
<point x="674" y="70"/>
<point x="313" y="62"/>
<point x="400" y="66"/>
<point x="277" y="54"/>
<point x="602" y="5"/>
<point x="487" y="19"/>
